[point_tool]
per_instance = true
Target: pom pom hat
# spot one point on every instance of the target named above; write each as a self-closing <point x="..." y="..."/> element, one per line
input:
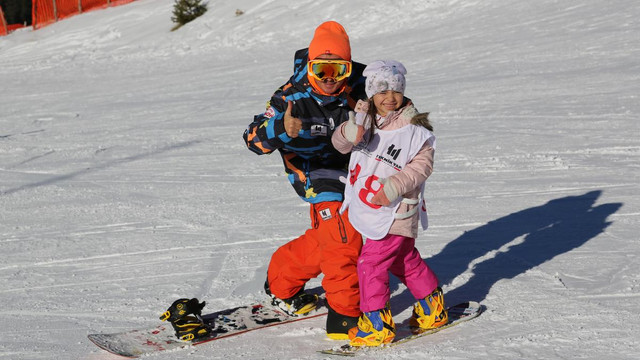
<point x="330" y="38"/>
<point x="384" y="75"/>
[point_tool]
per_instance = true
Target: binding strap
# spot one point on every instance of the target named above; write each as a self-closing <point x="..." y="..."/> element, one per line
<point x="411" y="212"/>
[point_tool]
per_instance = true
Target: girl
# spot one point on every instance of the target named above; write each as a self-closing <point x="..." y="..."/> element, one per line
<point x="392" y="155"/>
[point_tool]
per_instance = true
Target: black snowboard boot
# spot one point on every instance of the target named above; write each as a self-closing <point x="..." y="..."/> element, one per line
<point x="185" y="317"/>
<point x="338" y="325"/>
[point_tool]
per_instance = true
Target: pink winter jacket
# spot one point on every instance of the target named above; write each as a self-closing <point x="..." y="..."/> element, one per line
<point x="407" y="181"/>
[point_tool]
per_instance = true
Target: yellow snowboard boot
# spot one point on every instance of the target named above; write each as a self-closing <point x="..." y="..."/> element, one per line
<point x="374" y="329"/>
<point x="430" y="312"/>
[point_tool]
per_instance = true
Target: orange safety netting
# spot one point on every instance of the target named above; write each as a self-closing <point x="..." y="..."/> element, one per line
<point x="13" y="27"/>
<point x="45" y="12"/>
<point x="3" y="24"/>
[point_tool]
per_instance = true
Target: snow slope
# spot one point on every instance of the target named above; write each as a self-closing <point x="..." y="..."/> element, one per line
<point x="125" y="183"/>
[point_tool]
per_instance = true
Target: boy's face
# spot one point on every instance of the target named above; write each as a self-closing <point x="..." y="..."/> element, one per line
<point x="330" y="86"/>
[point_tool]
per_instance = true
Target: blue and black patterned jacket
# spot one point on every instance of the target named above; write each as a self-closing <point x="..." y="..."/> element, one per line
<point x="311" y="162"/>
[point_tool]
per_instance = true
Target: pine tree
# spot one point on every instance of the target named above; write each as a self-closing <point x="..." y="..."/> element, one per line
<point x="185" y="11"/>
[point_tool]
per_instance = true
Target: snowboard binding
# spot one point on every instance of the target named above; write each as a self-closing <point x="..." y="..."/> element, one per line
<point x="185" y="315"/>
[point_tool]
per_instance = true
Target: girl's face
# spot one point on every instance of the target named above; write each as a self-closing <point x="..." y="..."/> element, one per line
<point x="387" y="101"/>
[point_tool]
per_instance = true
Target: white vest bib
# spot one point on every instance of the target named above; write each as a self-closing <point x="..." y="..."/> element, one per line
<point x="385" y="155"/>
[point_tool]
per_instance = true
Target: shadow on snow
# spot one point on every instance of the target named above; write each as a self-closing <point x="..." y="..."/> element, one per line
<point x="513" y="244"/>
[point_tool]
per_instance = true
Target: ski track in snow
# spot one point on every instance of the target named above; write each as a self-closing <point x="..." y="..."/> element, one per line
<point x="124" y="182"/>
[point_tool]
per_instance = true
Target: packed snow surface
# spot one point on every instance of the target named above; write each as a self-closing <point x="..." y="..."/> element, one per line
<point x="125" y="183"/>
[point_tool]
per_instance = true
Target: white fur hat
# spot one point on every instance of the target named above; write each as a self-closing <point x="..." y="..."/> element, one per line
<point x="384" y="75"/>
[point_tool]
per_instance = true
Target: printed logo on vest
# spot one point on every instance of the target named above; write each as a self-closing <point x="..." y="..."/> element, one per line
<point x="325" y="214"/>
<point x="391" y="157"/>
<point x="393" y="152"/>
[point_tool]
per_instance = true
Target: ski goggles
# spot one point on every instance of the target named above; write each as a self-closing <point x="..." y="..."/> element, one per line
<point x="323" y="70"/>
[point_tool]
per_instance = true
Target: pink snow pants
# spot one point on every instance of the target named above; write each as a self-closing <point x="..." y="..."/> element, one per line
<point x="396" y="254"/>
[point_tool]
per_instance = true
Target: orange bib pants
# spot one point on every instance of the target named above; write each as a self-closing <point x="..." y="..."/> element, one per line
<point x="331" y="247"/>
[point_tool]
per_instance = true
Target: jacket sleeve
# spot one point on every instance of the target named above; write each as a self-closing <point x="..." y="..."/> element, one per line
<point x="416" y="171"/>
<point x="339" y="142"/>
<point x="266" y="132"/>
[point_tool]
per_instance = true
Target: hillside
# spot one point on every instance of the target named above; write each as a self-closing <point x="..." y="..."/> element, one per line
<point x="125" y="183"/>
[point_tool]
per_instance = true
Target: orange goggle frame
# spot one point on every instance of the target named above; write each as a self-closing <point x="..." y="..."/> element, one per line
<point x="329" y="69"/>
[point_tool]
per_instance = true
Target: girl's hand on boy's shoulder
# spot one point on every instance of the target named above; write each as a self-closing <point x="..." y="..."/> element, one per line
<point x="361" y="106"/>
<point x="351" y="130"/>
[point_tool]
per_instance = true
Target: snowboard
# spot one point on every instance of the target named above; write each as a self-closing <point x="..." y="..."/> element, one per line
<point x="223" y="324"/>
<point x="457" y="314"/>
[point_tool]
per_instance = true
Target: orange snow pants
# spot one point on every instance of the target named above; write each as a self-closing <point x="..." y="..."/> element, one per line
<point x="332" y="247"/>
